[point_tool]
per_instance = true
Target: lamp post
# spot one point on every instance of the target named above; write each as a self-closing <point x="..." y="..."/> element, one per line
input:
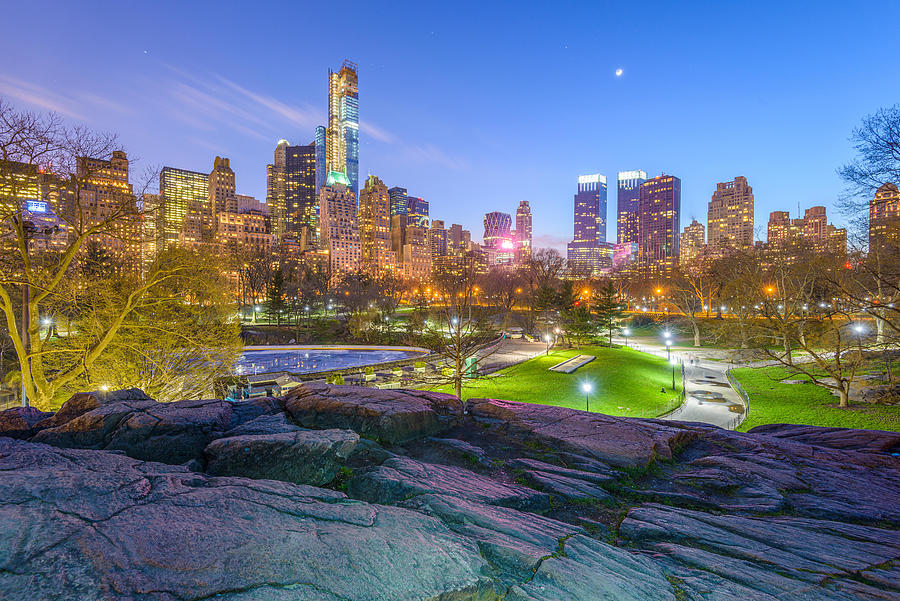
<point x="547" y="340"/>
<point x="673" y="362"/>
<point x="668" y="349"/>
<point x="586" y="387"/>
<point x="625" y="333"/>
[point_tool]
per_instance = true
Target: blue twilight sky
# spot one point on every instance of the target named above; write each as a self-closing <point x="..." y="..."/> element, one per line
<point x="475" y="106"/>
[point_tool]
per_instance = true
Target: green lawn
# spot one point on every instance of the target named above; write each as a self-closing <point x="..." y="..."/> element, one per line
<point x="624" y="381"/>
<point x="772" y="402"/>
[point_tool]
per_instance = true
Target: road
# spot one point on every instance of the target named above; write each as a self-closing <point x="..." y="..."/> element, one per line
<point x="508" y="352"/>
<point x="710" y="398"/>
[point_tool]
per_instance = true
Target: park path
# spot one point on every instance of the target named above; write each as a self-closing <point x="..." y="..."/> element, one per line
<point x="710" y="399"/>
<point x="509" y="352"/>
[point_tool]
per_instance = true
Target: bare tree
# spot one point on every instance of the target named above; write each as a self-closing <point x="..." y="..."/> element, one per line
<point x="455" y="331"/>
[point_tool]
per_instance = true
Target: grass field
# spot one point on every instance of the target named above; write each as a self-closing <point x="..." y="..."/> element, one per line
<point x="772" y="402"/>
<point x="624" y="381"/>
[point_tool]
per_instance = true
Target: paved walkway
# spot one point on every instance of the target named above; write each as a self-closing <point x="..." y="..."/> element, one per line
<point x="710" y="397"/>
<point x="509" y="352"/>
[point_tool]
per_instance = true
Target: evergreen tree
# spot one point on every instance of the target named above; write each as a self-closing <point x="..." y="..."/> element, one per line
<point x="608" y="309"/>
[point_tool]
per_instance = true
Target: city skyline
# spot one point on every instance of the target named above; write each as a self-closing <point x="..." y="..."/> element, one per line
<point x="793" y="123"/>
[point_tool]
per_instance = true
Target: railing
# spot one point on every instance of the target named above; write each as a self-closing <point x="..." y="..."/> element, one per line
<point x="738" y="419"/>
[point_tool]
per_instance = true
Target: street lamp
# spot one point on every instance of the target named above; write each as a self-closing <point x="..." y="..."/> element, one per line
<point x="547" y="340"/>
<point x="626" y="332"/>
<point x="586" y="387"/>
<point x="668" y="349"/>
<point x="673" y="362"/>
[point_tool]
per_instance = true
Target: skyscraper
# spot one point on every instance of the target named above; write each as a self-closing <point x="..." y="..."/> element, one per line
<point x="730" y="216"/>
<point x="106" y="192"/>
<point x="184" y="212"/>
<point x="399" y="199"/>
<point x="417" y="211"/>
<point x="629" y="187"/>
<point x="523" y="231"/>
<point x="338" y="222"/>
<point x="221" y="187"/>
<point x="884" y="217"/>
<point x="812" y="232"/>
<point x="659" y="224"/>
<point x="583" y="252"/>
<point x="437" y="239"/>
<point x="291" y="192"/>
<point x="375" y="227"/>
<point x="693" y="239"/>
<point x="342" y="133"/>
<point x="497" y="227"/>
<point x="590" y="209"/>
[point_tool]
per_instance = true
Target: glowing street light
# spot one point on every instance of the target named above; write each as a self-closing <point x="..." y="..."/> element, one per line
<point x="587" y="387"/>
<point x="859" y="329"/>
<point x="626" y="333"/>
<point x="547" y="340"/>
<point x="668" y="349"/>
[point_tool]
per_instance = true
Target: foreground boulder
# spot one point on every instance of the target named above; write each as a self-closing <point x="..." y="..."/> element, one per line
<point x="303" y="457"/>
<point x="93" y="525"/>
<point x="20" y="422"/>
<point x="387" y="415"/>
<point x="144" y="429"/>
<point x="510" y="501"/>
<point x="626" y="442"/>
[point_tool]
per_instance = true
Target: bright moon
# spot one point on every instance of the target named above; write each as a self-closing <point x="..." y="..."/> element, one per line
<point x="618" y="73"/>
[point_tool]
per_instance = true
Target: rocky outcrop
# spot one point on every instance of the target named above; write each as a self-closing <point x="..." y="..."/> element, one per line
<point x="303" y="457"/>
<point x="144" y="429"/>
<point x="94" y="525"/>
<point x="835" y="438"/>
<point x="20" y="422"/>
<point x="392" y="416"/>
<point x="625" y="442"/>
<point x="341" y="493"/>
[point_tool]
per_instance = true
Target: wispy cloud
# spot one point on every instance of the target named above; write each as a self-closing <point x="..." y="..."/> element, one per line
<point x="377" y="133"/>
<point x="37" y="96"/>
<point x="429" y="153"/>
<point x="213" y="101"/>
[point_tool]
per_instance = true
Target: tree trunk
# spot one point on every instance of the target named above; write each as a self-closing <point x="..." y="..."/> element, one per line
<point x="787" y="351"/>
<point x="879" y="329"/>
<point x="845" y="394"/>
<point x="744" y="342"/>
<point x="696" y="333"/>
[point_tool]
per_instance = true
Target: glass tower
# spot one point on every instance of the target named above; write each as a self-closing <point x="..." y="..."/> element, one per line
<point x="342" y="133"/>
<point x="590" y="209"/>
<point x="629" y="187"/>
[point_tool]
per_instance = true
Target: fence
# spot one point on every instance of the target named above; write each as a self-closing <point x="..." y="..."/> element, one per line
<point x="738" y="419"/>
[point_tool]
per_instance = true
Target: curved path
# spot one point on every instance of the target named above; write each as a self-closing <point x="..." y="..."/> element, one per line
<point x="710" y="397"/>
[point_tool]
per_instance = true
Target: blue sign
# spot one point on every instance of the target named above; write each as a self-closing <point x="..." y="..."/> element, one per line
<point x="36" y="206"/>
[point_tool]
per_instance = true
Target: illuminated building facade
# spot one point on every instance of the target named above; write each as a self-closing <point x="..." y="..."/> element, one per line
<point x="583" y="253"/>
<point x="399" y="199"/>
<point x="342" y="133"/>
<point x="523" y="232"/>
<point x="497" y="227"/>
<point x="628" y="190"/>
<point x="437" y="239"/>
<point x="375" y="227"/>
<point x="338" y="223"/>
<point x="291" y="192"/>
<point x="810" y="232"/>
<point x="884" y="217"/>
<point x="659" y="224"/>
<point x="221" y="187"/>
<point x="107" y="196"/>
<point x="417" y="211"/>
<point x="185" y="216"/>
<point x="730" y="216"/>
<point x="248" y="229"/>
<point x="693" y="241"/>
